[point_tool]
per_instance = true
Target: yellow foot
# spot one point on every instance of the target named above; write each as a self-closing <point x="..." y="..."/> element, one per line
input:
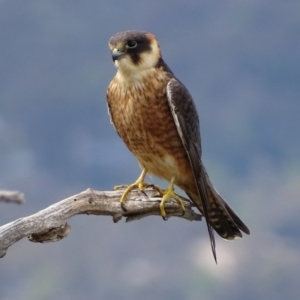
<point x="167" y="194"/>
<point x="138" y="184"/>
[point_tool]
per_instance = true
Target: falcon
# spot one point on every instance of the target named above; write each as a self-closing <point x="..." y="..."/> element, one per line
<point x="156" y="117"/>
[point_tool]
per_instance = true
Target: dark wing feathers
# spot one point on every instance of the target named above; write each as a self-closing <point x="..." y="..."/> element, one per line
<point x="187" y="123"/>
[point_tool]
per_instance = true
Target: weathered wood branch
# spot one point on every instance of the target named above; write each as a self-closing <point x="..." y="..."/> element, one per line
<point x="50" y="224"/>
<point x="11" y="196"/>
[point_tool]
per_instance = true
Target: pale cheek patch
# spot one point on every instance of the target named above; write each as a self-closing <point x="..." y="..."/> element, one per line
<point x="148" y="60"/>
<point x="123" y="64"/>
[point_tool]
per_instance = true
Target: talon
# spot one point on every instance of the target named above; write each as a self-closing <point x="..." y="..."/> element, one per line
<point x="159" y="191"/>
<point x="167" y="194"/>
<point x="145" y="194"/>
<point x="162" y="208"/>
<point x="165" y="218"/>
<point x="139" y="183"/>
<point x="123" y="206"/>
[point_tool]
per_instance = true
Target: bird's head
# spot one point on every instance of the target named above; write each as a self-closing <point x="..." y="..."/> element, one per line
<point x="134" y="51"/>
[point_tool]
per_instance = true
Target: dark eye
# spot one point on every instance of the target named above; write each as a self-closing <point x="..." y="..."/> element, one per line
<point x="131" y="44"/>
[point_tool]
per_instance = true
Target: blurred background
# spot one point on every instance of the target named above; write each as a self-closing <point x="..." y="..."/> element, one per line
<point x="240" y="60"/>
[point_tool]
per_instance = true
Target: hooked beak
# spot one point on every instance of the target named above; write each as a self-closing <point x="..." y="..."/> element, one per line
<point x="116" y="54"/>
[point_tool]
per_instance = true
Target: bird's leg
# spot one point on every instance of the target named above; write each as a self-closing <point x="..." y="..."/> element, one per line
<point x="167" y="194"/>
<point x="140" y="184"/>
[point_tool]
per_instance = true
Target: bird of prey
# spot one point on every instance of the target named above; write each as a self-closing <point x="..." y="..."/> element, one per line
<point x="155" y="115"/>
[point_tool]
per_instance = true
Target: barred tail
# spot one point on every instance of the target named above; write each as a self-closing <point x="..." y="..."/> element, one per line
<point x="221" y="216"/>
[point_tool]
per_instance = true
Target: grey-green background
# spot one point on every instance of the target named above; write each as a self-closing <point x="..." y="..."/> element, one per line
<point x="239" y="59"/>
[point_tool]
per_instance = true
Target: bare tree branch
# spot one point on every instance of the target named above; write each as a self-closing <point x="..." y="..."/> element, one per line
<point x="50" y="224"/>
<point x="11" y="196"/>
